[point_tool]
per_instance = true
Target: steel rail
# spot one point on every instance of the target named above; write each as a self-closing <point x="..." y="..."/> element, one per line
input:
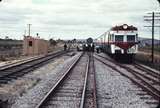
<point x="138" y="67"/>
<point x="90" y="75"/>
<point x="23" y="68"/>
<point x="17" y="62"/>
<point x="85" y="85"/>
<point x="46" y="97"/>
<point x="94" y="92"/>
<point x="143" y="75"/>
<point x="31" y="60"/>
<point x="149" y="71"/>
<point x="150" y="90"/>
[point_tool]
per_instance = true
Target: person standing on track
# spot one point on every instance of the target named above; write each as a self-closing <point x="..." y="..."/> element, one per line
<point x="65" y="47"/>
<point x="97" y="49"/>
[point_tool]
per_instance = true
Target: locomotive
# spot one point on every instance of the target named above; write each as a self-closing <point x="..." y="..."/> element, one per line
<point x="120" y="42"/>
<point x="88" y="45"/>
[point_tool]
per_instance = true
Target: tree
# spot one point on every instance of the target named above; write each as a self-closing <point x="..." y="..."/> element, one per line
<point x="6" y="37"/>
<point x="158" y="1"/>
<point x="52" y="42"/>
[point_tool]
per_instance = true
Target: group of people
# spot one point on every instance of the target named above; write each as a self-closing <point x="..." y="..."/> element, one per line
<point x="86" y="47"/>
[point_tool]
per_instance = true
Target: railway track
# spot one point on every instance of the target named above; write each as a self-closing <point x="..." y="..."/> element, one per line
<point x="71" y="89"/>
<point x="152" y="76"/>
<point x="91" y="98"/>
<point x="13" y="72"/>
<point x="144" y="79"/>
<point x="148" y="71"/>
<point x="17" y="62"/>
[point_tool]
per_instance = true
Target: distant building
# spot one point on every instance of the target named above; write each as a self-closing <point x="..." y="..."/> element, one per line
<point x="34" y="46"/>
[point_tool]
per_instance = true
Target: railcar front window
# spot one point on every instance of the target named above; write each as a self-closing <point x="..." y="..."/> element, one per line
<point x="130" y="38"/>
<point x="119" y="38"/>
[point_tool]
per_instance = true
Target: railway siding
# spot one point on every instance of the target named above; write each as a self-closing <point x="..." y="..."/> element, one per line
<point x="113" y="90"/>
<point x="94" y="82"/>
<point x="15" y="71"/>
<point x="141" y="80"/>
<point x="68" y="92"/>
<point x="91" y="91"/>
<point x="36" y="93"/>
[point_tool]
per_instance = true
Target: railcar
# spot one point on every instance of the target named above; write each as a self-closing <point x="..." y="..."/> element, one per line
<point x="89" y="45"/>
<point x="120" y="42"/>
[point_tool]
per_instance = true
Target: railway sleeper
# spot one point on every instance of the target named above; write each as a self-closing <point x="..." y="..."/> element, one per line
<point x="70" y="98"/>
<point x="2" y="81"/>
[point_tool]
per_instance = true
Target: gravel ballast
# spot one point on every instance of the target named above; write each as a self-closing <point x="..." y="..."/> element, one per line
<point x="31" y="98"/>
<point x="116" y="91"/>
<point x="22" y="92"/>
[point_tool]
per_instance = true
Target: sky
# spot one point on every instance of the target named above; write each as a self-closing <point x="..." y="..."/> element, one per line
<point x="69" y="19"/>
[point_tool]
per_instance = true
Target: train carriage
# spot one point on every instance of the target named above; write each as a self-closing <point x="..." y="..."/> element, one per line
<point x="120" y="41"/>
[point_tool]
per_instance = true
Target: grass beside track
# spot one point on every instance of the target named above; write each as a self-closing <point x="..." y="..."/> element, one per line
<point x="145" y="58"/>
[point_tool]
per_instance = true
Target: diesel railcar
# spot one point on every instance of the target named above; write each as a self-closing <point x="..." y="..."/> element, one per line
<point x="120" y="42"/>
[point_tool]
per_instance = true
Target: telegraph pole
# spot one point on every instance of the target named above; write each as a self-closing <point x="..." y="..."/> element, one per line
<point x="105" y="37"/>
<point x="152" y="37"/>
<point x="152" y="19"/>
<point x="29" y="29"/>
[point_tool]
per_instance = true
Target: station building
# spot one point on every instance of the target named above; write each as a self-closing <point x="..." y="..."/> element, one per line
<point x="34" y="46"/>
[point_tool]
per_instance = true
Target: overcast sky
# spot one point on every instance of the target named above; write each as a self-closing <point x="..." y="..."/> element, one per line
<point x="68" y="19"/>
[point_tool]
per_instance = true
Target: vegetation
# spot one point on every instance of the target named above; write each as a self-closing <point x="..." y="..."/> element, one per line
<point x="145" y="56"/>
<point x="52" y="42"/>
<point x="149" y="48"/>
<point x="146" y="59"/>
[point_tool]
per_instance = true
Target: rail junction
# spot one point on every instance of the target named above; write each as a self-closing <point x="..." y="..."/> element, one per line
<point x="77" y="86"/>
